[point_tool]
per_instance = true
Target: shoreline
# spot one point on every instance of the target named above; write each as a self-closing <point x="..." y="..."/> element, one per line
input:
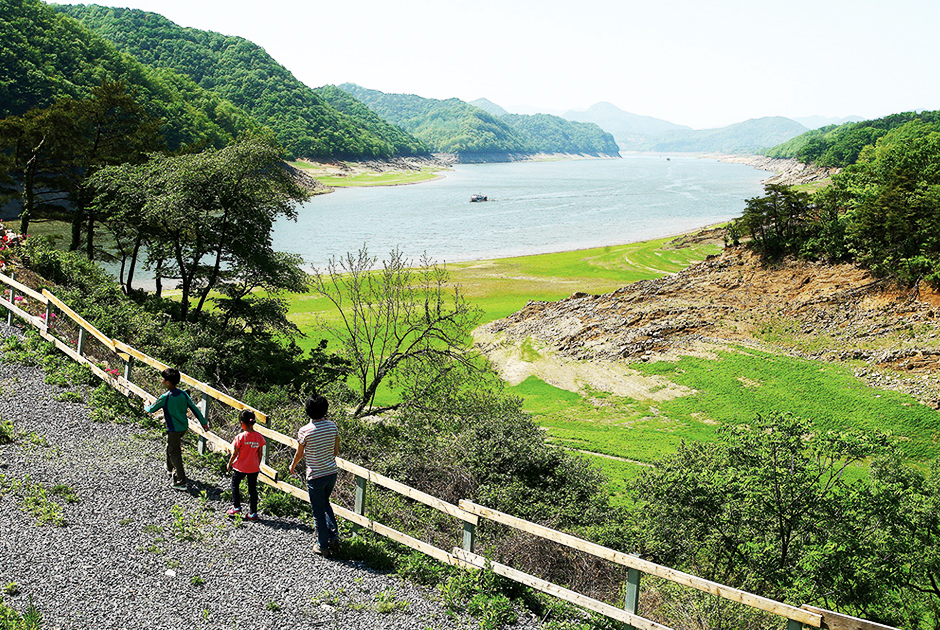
<point x="324" y="176"/>
<point x="787" y="171"/>
<point x="712" y="227"/>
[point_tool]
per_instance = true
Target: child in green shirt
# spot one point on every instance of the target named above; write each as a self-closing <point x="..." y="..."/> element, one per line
<point x="175" y="402"/>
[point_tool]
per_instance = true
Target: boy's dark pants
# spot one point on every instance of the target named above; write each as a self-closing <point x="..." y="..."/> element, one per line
<point x="252" y="490"/>
<point x="174" y="456"/>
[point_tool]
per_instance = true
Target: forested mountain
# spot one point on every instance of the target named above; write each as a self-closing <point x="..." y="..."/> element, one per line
<point x="627" y="129"/>
<point x="749" y="136"/>
<point x="244" y="74"/>
<point x="450" y="126"/>
<point x="45" y="56"/>
<point x="454" y="126"/>
<point x="815" y="122"/>
<point x="405" y="143"/>
<point x="554" y="134"/>
<point x="489" y="107"/>
<point x="841" y="145"/>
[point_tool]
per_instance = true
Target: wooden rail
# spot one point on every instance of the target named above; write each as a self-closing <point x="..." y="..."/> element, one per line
<point x="467" y="512"/>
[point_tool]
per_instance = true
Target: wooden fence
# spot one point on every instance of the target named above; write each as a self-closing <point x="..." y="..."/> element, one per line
<point x="468" y="513"/>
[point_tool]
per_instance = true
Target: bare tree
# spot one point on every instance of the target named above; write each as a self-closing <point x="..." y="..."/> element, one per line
<point x="395" y="318"/>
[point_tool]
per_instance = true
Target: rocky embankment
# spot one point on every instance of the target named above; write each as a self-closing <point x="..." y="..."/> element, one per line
<point x="828" y="312"/>
<point x="789" y="172"/>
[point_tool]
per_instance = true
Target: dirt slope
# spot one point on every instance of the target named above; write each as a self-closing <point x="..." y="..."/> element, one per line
<point x="827" y="312"/>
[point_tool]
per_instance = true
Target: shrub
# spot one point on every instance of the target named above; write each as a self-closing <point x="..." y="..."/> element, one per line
<point x="7" y="432"/>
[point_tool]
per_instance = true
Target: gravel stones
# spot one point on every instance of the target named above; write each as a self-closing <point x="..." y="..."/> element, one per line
<point x="120" y="562"/>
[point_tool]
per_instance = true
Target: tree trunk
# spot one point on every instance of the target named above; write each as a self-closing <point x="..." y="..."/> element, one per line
<point x="76" y="230"/>
<point x="130" y="272"/>
<point x="158" y="279"/>
<point x="29" y="197"/>
<point x="90" y="244"/>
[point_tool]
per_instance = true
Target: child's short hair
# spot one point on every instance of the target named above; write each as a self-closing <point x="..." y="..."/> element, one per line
<point x="172" y="375"/>
<point x="247" y="416"/>
<point x="316" y="406"/>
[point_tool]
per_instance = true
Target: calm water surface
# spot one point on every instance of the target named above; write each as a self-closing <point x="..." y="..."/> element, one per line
<point x="535" y="207"/>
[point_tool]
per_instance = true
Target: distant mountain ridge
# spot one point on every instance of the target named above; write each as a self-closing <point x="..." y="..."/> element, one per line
<point x="489" y="106"/>
<point x="645" y="133"/>
<point x="243" y="73"/>
<point x="626" y="128"/>
<point x="750" y="136"/>
<point x="484" y="133"/>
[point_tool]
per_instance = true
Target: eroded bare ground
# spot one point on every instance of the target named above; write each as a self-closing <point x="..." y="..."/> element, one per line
<point x="833" y="313"/>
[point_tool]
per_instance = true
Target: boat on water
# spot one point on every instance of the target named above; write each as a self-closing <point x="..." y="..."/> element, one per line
<point x="478" y="198"/>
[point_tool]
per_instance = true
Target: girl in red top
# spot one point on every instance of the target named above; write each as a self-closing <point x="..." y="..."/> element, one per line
<point x="246" y="463"/>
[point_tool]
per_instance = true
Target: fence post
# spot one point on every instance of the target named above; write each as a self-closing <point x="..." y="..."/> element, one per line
<point x="12" y="301"/>
<point x="80" y="345"/>
<point x="469" y="536"/>
<point x="632" y="599"/>
<point x="49" y="313"/>
<point x="264" y="453"/>
<point x="359" y="507"/>
<point x="793" y="624"/>
<point x="202" y="445"/>
<point x="128" y="366"/>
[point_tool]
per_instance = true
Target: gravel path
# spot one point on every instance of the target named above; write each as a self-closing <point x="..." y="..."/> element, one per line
<point x="118" y="562"/>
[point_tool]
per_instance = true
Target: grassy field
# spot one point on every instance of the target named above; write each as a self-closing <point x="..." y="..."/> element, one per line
<point x="362" y="177"/>
<point x="622" y="435"/>
<point x="501" y="287"/>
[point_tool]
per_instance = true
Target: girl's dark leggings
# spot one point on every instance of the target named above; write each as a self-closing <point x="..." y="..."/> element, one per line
<point x="252" y="490"/>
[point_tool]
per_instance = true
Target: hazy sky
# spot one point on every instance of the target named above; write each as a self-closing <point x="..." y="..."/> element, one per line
<point x="702" y="63"/>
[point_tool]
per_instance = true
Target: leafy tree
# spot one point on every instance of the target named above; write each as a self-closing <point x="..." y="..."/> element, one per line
<point x="892" y="201"/>
<point x="395" y="319"/>
<point x="779" y="222"/>
<point x="38" y="147"/>
<point x="55" y="149"/>
<point x="751" y="508"/>
<point x="207" y="220"/>
<point x="113" y="128"/>
<point x="880" y="560"/>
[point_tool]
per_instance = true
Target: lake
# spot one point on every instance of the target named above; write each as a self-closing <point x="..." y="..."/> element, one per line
<point x="534" y="208"/>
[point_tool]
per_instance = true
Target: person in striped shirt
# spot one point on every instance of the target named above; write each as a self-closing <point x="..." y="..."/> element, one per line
<point x="318" y="446"/>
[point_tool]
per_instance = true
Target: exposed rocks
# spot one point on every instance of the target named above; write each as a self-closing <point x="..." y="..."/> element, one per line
<point x="836" y="313"/>
<point x="788" y="171"/>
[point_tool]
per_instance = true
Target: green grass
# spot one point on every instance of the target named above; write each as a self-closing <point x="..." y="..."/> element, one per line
<point x="394" y="178"/>
<point x="733" y="389"/>
<point x="503" y="286"/>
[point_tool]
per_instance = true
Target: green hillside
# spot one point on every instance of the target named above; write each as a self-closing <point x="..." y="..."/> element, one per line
<point x="45" y="56"/>
<point x="840" y="145"/>
<point x="454" y="126"/>
<point x="356" y="110"/>
<point x="241" y="72"/>
<point x="449" y="126"/>
<point x="553" y="134"/>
